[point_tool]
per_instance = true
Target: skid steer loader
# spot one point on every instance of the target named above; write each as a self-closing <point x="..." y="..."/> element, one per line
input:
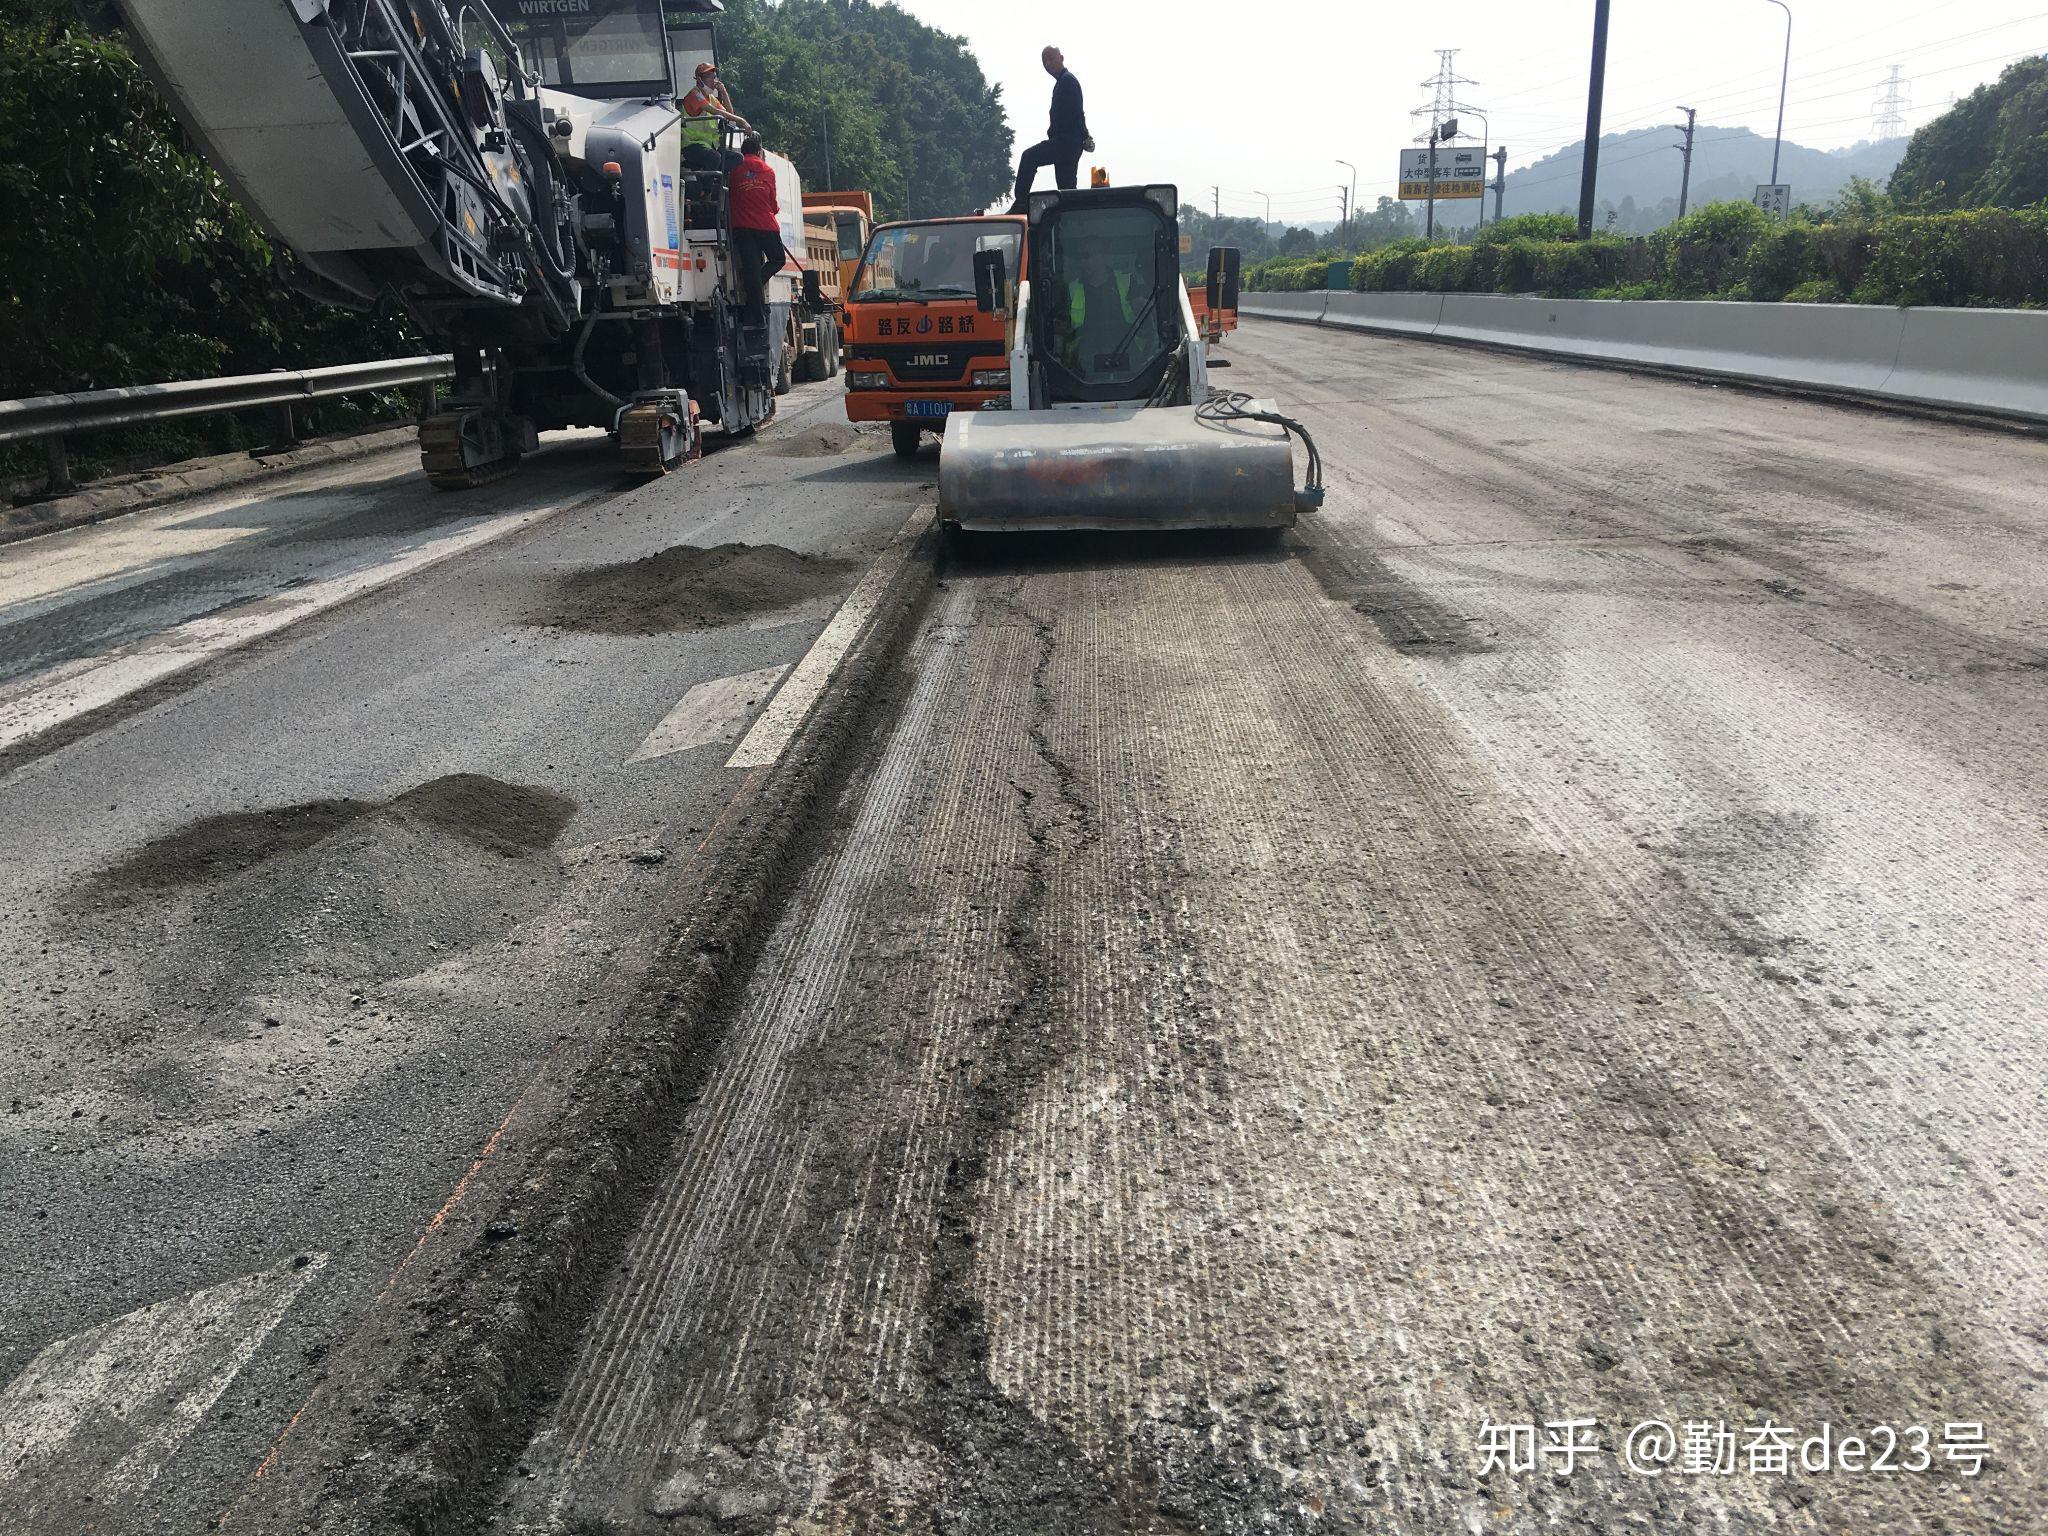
<point x="1110" y="421"/>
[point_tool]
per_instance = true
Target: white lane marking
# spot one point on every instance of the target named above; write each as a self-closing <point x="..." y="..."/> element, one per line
<point x="101" y="1412"/>
<point x="808" y="679"/>
<point x="713" y="711"/>
<point x="28" y="572"/>
<point x="80" y="690"/>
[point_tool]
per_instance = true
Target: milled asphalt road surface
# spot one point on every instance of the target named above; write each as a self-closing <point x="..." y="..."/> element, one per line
<point x="1558" y="944"/>
<point x="250" y="1055"/>
<point x="1561" y="943"/>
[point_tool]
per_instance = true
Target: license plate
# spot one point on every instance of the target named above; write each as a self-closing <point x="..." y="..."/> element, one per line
<point x="928" y="408"/>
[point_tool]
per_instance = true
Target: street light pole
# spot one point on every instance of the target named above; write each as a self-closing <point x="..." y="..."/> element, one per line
<point x="1269" y="207"/>
<point x="1485" y="139"/>
<point x="1351" y="202"/>
<point x="1784" y="79"/>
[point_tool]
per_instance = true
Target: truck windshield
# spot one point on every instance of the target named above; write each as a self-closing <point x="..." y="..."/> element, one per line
<point x="930" y="261"/>
<point x="849" y="236"/>
<point x="591" y="47"/>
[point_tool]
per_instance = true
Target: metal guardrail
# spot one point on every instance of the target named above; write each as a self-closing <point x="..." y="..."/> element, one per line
<point x="50" y="417"/>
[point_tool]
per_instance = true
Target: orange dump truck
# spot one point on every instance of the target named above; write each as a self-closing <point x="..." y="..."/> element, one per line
<point x="850" y="216"/>
<point x="919" y="344"/>
<point x="1215" y="323"/>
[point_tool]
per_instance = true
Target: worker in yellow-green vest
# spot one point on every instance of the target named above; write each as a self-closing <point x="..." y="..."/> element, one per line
<point x="706" y="109"/>
<point x="1099" y="314"/>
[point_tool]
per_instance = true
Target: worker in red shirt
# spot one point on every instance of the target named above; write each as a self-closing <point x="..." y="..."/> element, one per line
<point x="756" y="228"/>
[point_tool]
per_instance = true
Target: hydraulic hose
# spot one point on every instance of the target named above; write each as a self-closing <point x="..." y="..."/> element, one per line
<point x="1233" y="405"/>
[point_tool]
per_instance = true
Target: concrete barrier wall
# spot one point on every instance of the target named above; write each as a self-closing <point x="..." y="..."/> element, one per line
<point x="1284" y="306"/>
<point x="1414" y="314"/>
<point x="1968" y="359"/>
<point x="1983" y="359"/>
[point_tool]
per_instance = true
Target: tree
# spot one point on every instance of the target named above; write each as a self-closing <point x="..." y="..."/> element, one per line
<point x="123" y="260"/>
<point x="910" y="116"/>
<point x="1989" y="150"/>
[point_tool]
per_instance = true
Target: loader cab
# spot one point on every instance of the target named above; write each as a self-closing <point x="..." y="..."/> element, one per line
<point x="1105" y="298"/>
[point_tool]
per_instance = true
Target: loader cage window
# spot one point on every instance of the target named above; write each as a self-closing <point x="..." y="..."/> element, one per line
<point x="1106" y="306"/>
<point x="608" y="50"/>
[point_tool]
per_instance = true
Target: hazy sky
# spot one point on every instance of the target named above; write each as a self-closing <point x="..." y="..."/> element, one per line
<point x="1266" y="97"/>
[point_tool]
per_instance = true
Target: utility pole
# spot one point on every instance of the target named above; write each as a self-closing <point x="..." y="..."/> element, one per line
<point x="1596" y="87"/>
<point x="1685" y="149"/>
<point x="1439" y="133"/>
<point x="1350" y="197"/>
<point x="1216" y="202"/>
<point x="1500" y="179"/>
<point x="1429" y="228"/>
<point x="1344" y="202"/>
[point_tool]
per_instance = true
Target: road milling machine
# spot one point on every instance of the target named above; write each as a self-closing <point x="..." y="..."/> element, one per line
<point x="517" y="186"/>
<point x="1110" y="420"/>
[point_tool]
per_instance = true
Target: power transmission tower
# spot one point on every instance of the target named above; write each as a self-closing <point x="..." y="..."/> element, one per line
<point x="1685" y="149"/>
<point x="1895" y="99"/>
<point x="1216" y="202"/>
<point x="1443" y="111"/>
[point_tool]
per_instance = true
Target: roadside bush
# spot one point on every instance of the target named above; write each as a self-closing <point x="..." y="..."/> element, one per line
<point x="1527" y="226"/>
<point x="1282" y="275"/>
<point x="1980" y="256"/>
<point x="1992" y="256"/>
<point x="1445" y="269"/>
<point x="1705" y="251"/>
<point x="1778" y="262"/>
<point x="1390" y="269"/>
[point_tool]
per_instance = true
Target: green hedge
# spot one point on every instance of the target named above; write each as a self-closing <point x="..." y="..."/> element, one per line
<point x="1986" y="256"/>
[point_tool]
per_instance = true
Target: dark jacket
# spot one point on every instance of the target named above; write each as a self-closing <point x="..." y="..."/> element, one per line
<point x="1069" y="122"/>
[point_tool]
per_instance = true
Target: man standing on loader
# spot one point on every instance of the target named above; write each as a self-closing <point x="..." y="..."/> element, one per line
<point x="1066" y="137"/>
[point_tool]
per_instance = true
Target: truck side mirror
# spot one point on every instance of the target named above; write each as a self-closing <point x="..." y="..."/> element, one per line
<point x="991" y="281"/>
<point x="1224" y="268"/>
<point x="814" y="289"/>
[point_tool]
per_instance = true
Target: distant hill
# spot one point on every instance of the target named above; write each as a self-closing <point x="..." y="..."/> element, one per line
<point x="1990" y="148"/>
<point x="1639" y="174"/>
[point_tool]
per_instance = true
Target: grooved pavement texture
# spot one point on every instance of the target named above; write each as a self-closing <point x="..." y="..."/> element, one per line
<point x="1561" y="940"/>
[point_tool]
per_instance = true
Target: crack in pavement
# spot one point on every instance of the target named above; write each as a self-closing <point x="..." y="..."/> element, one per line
<point x="1010" y="1471"/>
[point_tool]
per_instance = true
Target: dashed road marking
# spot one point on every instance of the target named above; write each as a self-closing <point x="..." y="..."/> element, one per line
<point x="96" y="1416"/>
<point x="82" y="688"/>
<point x="713" y="711"/>
<point x="809" y="678"/>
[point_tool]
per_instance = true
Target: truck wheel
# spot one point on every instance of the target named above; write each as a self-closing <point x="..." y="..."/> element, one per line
<point x="785" y="376"/>
<point x="811" y="366"/>
<point x="904" y="437"/>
